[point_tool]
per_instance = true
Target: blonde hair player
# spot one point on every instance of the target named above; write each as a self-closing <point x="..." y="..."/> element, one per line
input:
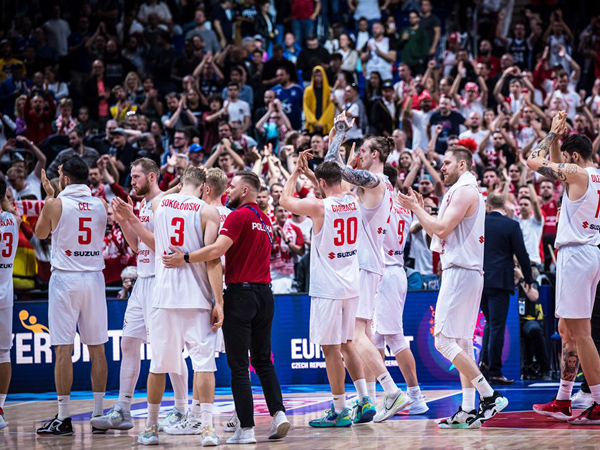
<point x="458" y="235"/>
<point x="375" y="199"/>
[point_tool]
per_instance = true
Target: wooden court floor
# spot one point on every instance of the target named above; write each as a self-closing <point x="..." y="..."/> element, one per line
<point x="511" y="430"/>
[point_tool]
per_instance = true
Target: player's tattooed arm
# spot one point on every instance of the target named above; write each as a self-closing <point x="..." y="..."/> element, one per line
<point x="557" y="171"/>
<point x="357" y="177"/>
<point x="570" y="364"/>
<point x="337" y="136"/>
<point x="543" y="147"/>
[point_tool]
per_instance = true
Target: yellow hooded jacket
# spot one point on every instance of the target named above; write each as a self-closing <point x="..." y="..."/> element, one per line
<point x="310" y="104"/>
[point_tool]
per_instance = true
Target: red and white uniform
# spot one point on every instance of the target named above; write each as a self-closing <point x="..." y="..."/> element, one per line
<point x="578" y="259"/>
<point x="282" y="259"/>
<point x="334" y="280"/>
<point x="370" y="256"/>
<point x="391" y="295"/>
<point x="550" y="211"/>
<point x="181" y="315"/>
<point x="139" y="304"/>
<point x="76" y="294"/>
<point x="9" y="239"/>
<point x="462" y="261"/>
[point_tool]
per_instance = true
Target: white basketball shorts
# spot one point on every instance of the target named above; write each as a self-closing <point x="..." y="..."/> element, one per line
<point x="577" y="277"/>
<point x="135" y="324"/>
<point x="389" y="303"/>
<point x="6" y="326"/>
<point x="77" y="300"/>
<point x="332" y="320"/>
<point x="458" y="303"/>
<point x="171" y="330"/>
<point x="369" y="283"/>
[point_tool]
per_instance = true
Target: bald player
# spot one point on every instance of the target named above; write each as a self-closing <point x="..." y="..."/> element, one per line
<point x="458" y="235"/>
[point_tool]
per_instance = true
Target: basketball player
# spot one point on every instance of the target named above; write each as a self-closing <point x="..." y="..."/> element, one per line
<point x="183" y="312"/>
<point x="458" y="235"/>
<point x="375" y="194"/>
<point x="334" y="285"/>
<point x="10" y="222"/>
<point x="139" y="233"/>
<point x="578" y="263"/>
<point x="391" y="295"/>
<point x="76" y="294"/>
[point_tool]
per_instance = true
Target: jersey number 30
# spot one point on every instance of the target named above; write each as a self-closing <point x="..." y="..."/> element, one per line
<point x="347" y="231"/>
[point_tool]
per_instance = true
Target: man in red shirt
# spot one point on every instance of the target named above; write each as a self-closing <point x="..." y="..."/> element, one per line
<point x="288" y="242"/>
<point x="39" y="120"/>
<point x="550" y="210"/>
<point x="304" y="13"/>
<point x="246" y="239"/>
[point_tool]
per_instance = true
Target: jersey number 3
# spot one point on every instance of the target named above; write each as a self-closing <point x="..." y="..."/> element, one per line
<point x="178" y="223"/>
<point x="347" y="231"/>
<point x="7" y="239"/>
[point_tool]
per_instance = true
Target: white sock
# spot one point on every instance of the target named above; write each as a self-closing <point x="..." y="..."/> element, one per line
<point x="63" y="407"/>
<point x="153" y="410"/>
<point x="414" y="392"/>
<point x="595" y="392"/>
<point x="361" y="388"/>
<point x="98" y="400"/>
<point x="180" y="389"/>
<point x="482" y="386"/>
<point x="2" y="400"/>
<point x="181" y="404"/>
<point x="206" y="414"/>
<point x="339" y="402"/>
<point x="387" y="383"/>
<point x="468" y="399"/>
<point x="124" y="402"/>
<point x="196" y="409"/>
<point x="372" y="390"/>
<point x="565" y="389"/>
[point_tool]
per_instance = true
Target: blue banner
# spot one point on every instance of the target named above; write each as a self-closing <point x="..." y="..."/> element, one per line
<point x="297" y="360"/>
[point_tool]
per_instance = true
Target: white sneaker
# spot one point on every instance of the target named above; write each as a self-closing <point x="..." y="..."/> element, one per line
<point x="115" y="419"/>
<point x="233" y="423"/>
<point x="175" y="416"/>
<point x="189" y="425"/>
<point x="149" y="436"/>
<point x="418" y="406"/>
<point x="3" y="423"/>
<point x="242" y="436"/>
<point x="209" y="438"/>
<point x="391" y="405"/>
<point x="581" y="400"/>
<point x="279" y="426"/>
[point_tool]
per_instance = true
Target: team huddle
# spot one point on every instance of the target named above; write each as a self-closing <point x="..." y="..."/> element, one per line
<point x="358" y="285"/>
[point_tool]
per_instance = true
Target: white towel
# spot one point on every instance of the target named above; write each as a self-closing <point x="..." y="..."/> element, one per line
<point x="76" y="190"/>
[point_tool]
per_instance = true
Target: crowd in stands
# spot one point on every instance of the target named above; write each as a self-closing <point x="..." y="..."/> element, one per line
<point x="249" y="84"/>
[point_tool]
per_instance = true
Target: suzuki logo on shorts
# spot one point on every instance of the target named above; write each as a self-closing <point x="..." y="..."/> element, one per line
<point x="68" y="252"/>
<point x="331" y="255"/>
<point x="481" y="239"/>
<point x="585" y="224"/>
<point x="591" y="226"/>
<point x="379" y="230"/>
<point x="391" y="252"/>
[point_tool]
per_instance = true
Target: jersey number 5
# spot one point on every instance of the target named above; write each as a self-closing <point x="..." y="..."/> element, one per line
<point x="178" y="223"/>
<point x="7" y="238"/>
<point x="85" y="232"/>
<point x="347" y="231"/>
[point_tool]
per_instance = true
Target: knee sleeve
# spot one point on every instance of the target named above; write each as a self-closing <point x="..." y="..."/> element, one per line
<point x="448" y="347"/>
<point x="4" y="356"/>
<point x="467" y="346"/>
<point x="396" y="342"/>
<point x="378" y="341"/>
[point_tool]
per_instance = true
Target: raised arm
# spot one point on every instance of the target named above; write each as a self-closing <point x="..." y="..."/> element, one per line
<point x="312" y="207"/>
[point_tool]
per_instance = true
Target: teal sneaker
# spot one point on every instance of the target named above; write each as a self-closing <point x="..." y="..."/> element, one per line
<point x="332" y="419"/>
<point x="149" y="436"/>
<point x="363" y="411"/>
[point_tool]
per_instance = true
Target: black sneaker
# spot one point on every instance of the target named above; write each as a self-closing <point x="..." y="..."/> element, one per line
<point x="488" y="408"/>
<point x="459" y="419"/>
<point x="57" y="427"/>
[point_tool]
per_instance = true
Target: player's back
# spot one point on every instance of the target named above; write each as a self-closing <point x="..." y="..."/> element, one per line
<point x="334" y="259"/>
<point x="178" y="224"/>
<point x="394" y="239"/>
<point x="145" y="255"/>
<point x="579" y="221"/>
<point x="78" y="239"/>
<point x="374" y="224"/>
<point x="9" y="239"/>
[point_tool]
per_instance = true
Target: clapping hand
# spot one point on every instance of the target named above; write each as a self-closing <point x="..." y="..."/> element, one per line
<point x="47" y="185"/>
<point x="412" y="201"/>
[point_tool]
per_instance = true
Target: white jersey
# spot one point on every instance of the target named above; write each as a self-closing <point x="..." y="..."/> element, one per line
<point x="9" y="239"/>
<point x="224" y="211"/>
<point x="579" y="220"/>
<point x="394" y="240"/>
<point x="374" y="224"/>
<point x="78" y="239"/>
<point x="145" y="255"/>
<point x="463" y="247"/>
<point x="178" y="223"/>
<point x="334" y="259"/>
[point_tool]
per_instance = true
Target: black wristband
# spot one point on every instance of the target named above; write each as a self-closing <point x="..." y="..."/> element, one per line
<point x="186" y="257"/>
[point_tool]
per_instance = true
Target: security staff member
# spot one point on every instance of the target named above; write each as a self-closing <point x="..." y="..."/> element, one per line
<point x="245" y="240"/>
